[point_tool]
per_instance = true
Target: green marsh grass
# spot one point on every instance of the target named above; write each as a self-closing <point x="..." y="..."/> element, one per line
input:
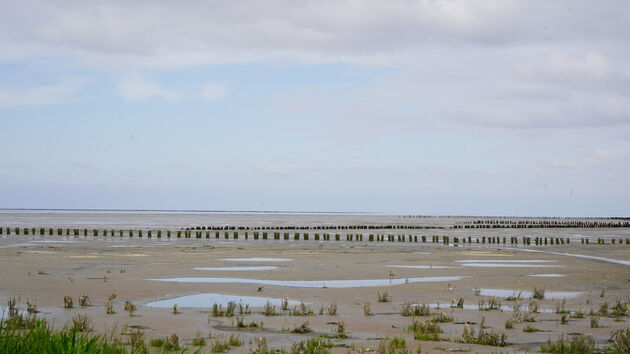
<point x="579" y="344"/>
<point x="483" y="337"/>
<point x="425" y="330"/>
<point x="42" y="338"/>
<point x="396" y="345"/>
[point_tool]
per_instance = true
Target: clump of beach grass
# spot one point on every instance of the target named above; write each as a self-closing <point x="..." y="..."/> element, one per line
<point x="582" y="343"/>
<point x="489" y="304"/>
<point x="594" y="321"/>
<point x="222" y="344"/>
<point x="483" y="336"/>
<point x="302" y="310"/>
<point x="331" y="309"/>
<point x="441" y="317"/>
<point x="384" y="297"/>
<point x="80" y="323"/>
<point x="67" y="302"/>
<point x="396" y="345"/>
<point x="319" y="345"/>
<point x="302" y="329"/>
<point x="409" y="309"/>
<point x="538" y="293"/>
<point x="130" y="307"/>
<point x="269" y="309"/>
<point x="425" y="330"/>
<point x="84" y="300"/>
<point x="620" y="342"/>
<point x="367" y="309"/>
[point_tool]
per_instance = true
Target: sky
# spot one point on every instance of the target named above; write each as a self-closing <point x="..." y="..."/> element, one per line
<point x="497" y="107"/>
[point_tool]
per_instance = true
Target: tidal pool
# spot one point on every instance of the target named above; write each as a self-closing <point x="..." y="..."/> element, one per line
<point x="550" y="275"/>
<point x="238" y="268"/>
<point x="503" y="261"/>
<point x="349" y="283"/>
<point x="419" y="266"/>
<point x="505" y="265"/>
<point x="256" y="259"/>
<point x="527" y="294"/>
<point x="207" y="300"/>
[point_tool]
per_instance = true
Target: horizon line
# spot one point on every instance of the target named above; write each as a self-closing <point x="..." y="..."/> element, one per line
<point x="308" y="212"/>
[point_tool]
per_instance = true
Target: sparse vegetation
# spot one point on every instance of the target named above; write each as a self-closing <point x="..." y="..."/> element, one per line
<point x="396" y="345"/>
<point x="409" y="309"/>
<point x="384" y="297"/>
<point x="67" y="302"/>
<point x="367" y="309"/>
<point x="579" y="344"/>
<point x="538" y="293"/>
<point x="425" y="330"/>
<point x="130" y="307"/>
<point x="483" y="337"/>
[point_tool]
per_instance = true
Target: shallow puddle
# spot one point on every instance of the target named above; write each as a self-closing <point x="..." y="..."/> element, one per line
<point x="603" y="259"/>
<point x="503" y="261"/>
<point x="505" y="265"/>
<point x="527" y="294"/>
<point x="207" y="300"/>
<point x="419" y="266"/>
<point x="256" y="259"/>
<point x="237" y="268"/>
<point x="350" y="283"/>
<point x="550" y="275"/>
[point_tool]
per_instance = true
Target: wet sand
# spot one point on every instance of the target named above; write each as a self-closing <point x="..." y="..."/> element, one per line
<point x="102" y="265"/>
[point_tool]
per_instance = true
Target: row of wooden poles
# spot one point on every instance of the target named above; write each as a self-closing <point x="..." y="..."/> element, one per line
<point x="446" y="240"/>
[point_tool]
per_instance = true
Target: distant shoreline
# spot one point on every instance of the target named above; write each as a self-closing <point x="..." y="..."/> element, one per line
<point x="198" y="211"/>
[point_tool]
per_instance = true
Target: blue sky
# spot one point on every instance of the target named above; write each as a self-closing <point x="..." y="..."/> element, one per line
<point x="427" y="107"/>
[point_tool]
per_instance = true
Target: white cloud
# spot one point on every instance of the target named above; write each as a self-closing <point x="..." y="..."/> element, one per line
<point x="38" y="95"/>
<point x="167" y="33"/>
<point x="592" y="66"/>
<point x="138" y="89"/>
<point x="213" y="91"/>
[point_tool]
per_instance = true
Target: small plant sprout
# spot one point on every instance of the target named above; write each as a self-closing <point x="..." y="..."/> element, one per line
<point x="67" y="302"/>
<point x="603" y="293"/>
<point x="367" y="309"/>
<point x="509" y="323"/>
<point x="176" y="309"/>
<point x="285" y="303"/>
<point x="594" y="321"/>
<point x="331" y="310"/>
<point x="31" y="307"/>
<point x="477" y="292"/>
<point x="269" y="309"/>
<point x="341" y="333"/>
<point x="384" y="297"/>
<point x="130" y="307"/>
<point x="84" y="300"/>
<point x="198" y="341"/>
<point x="302" y="329"/>
<point x="80" y="323"/>
<point x="109" y="307"/>
<point x="538" y="293"/>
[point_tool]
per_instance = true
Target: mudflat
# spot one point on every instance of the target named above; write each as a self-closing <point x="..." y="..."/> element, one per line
<point x="350" y="275"/>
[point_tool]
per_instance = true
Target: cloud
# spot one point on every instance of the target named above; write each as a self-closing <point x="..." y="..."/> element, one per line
<point x="213" y="91"/>
<point x="39" y="95"/>
<point x="593" y="66"/>
<point x="138" y="89"/>
<point x="169" y="34"/>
